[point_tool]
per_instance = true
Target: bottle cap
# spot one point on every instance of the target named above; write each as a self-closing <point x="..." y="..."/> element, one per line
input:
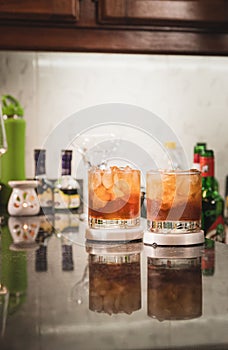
<point x="11" y="106"/>
<point x="199" y="148"/>
<point x="202" y="144"/>
<point x="207" y="153"/>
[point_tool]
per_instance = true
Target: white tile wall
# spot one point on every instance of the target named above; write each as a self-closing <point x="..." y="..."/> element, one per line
<point x="190" y="94"/>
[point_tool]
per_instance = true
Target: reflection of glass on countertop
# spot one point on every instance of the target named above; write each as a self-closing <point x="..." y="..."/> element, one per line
<point x="114" y="278"/>
<point x="113" y="249"/>
<point x="174" y="283"/>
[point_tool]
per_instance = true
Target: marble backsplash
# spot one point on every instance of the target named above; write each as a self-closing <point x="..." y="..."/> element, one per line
<point x="189" y="94"/>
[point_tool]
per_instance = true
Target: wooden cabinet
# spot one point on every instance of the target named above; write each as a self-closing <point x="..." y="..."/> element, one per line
<point x="198" y="27"/>
<point x="40" y="11"/>
<point x="184" y="13"/>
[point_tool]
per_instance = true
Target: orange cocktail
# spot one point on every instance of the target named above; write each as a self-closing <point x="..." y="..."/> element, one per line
<point x="174" y="200"/>
<point x="114" y="197"/>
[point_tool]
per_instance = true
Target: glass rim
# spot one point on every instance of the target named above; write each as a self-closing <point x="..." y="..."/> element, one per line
<point x="119" y="169"/>
<point x="174" y="172"/>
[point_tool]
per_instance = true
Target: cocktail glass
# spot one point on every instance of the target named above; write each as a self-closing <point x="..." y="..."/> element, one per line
<point x="174" y="201"/>
<point x="114" y="197"/>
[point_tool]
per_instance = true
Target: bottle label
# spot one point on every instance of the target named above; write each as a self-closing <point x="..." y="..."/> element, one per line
<point x="64" y="201"/>
<point x="58" y="201"/>
<point x="74" y="201"/>
<point x="207" y="166"/>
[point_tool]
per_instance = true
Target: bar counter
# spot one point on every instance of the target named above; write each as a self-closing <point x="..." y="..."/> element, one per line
<point x="59" y="291"/>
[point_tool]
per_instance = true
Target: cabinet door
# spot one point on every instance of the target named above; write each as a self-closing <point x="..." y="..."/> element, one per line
<point x="164" y="12"/>
<point x="40" y="10"/>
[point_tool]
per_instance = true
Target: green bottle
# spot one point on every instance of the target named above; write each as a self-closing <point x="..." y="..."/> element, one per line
<point x="198" y="149"/>
<point x="12" y="165"/>
<point x="212" y="202"/>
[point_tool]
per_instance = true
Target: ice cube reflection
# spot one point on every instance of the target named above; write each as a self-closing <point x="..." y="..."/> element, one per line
<point x="114" y="278"/>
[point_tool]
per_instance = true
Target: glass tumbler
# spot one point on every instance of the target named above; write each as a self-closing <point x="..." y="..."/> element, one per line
<point x="114" y="197"/>
<point x="174" y="201"/>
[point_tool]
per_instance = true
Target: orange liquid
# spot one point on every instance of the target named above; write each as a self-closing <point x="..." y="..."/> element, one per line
<point x="114" y="194"/>
<point x="125" y="210"/>
<point x="189" y="211"/>
<point x="174" y="196"/>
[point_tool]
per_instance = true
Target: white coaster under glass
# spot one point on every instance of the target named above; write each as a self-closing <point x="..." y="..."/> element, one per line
<point x="113" y="235"/>
<point x="173" y="239"/>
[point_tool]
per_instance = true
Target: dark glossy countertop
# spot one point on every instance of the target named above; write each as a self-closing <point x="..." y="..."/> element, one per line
<point x="66" y="293"/>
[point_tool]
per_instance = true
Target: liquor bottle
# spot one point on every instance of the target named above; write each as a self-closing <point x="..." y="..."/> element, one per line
<point x="212" y="202"/>
<point x="198" y="149"/>
<point x="44" y="188"/>
<point x="67" y="188"/>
